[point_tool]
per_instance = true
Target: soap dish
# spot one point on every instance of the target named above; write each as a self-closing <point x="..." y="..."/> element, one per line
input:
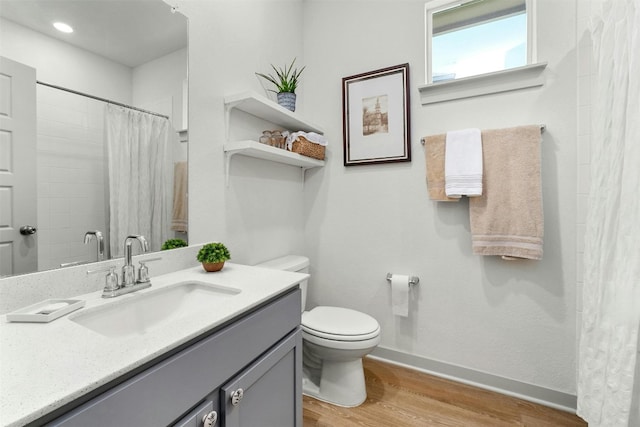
<point x="45" y="311"/>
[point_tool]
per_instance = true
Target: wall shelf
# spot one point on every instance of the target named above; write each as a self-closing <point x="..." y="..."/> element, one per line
<point x="263" y="108"/>
<point x="266" y="152"/>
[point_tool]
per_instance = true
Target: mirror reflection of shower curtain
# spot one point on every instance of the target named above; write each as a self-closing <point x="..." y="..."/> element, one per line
<point x="140" y="189"/>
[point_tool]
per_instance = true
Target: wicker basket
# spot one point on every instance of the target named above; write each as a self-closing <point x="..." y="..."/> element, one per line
<point x="304" y="147"/>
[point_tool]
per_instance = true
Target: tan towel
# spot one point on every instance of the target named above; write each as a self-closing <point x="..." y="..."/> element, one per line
<point x="434" y="149"/>
<point x="180" y="205"/>
<point x="507" y="219"/>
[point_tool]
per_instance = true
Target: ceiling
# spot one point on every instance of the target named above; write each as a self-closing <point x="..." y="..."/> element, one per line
<point x="130" y="32"/>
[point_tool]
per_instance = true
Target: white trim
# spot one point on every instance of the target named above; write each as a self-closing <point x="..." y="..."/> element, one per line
<point x="483" y="84"/>
<point x="529" y="392"/>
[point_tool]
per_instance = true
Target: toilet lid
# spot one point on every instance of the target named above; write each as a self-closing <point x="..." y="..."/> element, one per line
<point x="339" y="323"/>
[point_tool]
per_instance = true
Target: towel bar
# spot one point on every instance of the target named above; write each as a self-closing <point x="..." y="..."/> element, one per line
<point x="542" y="129"/>
<point x="413" y="280"/>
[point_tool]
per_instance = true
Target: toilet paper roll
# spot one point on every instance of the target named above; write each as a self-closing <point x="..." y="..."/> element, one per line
<point x="400" y="295"/>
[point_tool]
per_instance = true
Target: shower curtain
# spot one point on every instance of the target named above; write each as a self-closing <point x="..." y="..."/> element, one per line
<point x="607" y="384"/>
<point x="140" y="176"/>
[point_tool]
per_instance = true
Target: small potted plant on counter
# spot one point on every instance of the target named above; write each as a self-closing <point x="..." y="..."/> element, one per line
<point x="213" y="255"/>
<point x="173" y="243"/>
<point x="286" y="81"/>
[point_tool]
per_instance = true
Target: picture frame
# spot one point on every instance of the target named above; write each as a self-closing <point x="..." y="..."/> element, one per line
<point x="376" y="116"/>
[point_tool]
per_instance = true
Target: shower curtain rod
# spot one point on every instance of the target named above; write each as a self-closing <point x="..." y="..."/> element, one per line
<point x="108" y="101"/>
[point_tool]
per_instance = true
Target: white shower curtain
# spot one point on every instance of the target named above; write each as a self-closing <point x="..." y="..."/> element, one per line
<point x="140" y="176"/>
<point x="607" y="387"/>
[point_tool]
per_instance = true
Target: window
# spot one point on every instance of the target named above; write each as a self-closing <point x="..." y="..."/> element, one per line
<point x="473" y="37"/>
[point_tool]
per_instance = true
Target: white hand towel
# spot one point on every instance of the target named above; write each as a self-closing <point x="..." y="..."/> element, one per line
<point x="463" y="163"/>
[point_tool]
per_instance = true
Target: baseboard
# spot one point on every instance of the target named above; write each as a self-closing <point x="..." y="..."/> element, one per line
<point x="533" y="393"/>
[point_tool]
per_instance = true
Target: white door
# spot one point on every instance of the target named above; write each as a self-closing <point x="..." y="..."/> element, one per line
<point x="18" y="243"/>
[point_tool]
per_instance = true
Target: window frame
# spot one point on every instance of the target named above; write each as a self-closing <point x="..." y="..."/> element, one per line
<point x="434" y="6"/>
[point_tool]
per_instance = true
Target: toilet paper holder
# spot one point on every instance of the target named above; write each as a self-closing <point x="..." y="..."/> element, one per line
<point x="413" y="280"/>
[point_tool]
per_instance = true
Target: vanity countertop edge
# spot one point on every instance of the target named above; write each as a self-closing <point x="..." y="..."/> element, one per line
<point x="44" y="366"/>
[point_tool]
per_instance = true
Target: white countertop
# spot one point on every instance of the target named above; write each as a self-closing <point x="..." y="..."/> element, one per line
<point x="44" y="366"/>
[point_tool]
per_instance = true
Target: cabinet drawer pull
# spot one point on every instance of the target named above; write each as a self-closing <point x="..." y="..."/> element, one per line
<point x="236" y="397"/>
<point x="210" y="419"/>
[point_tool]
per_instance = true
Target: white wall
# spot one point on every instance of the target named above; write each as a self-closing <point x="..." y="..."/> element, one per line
<point x="64" y="65"/>
<point x="157" y="85"/>
<point x="260" y="214"/>
<point x="511" y="319"/>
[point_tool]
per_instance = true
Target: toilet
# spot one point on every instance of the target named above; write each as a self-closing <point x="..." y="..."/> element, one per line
<point x="335" y="340"/>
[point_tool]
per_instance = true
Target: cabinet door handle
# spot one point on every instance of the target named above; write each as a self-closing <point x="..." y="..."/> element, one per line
<point x="210" y="419"/>
<point x="236" y="397"/>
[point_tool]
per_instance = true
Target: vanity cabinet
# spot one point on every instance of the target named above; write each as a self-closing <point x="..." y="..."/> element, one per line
<point x="249" y="373"/>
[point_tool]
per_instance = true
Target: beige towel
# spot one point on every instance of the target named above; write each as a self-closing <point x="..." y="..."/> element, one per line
<point x="507" y="219"/>
<point x="434" y="150"/>
<point x="180" y="205"/>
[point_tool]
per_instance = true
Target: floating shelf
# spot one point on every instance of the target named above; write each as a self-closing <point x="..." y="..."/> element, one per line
<point x="264" y="108"/>
<point x="266" y="152"/>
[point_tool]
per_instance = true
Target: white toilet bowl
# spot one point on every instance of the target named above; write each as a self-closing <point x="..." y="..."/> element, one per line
<point x="335" y="340"/>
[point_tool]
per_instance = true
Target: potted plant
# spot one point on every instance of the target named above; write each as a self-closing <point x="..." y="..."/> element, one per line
<point x="286" y="81"/>
<point x="213" y="255"/>
<point x="173" y="243"/>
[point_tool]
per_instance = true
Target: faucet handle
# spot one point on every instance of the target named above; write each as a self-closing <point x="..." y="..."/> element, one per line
<point x="143" y="271"/>
<point x="110" y="280"/>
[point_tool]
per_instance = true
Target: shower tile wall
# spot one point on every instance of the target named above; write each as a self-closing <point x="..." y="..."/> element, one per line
<point x="71" y="178"/>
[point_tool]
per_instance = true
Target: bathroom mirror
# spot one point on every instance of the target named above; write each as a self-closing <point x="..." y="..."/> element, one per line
<point x="145" y="43"/>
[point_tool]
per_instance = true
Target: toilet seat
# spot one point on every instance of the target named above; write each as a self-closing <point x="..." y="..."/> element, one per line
<point x="339" y="324"/>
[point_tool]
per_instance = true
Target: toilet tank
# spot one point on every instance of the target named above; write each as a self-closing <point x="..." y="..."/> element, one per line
<point x="295" y="263"/>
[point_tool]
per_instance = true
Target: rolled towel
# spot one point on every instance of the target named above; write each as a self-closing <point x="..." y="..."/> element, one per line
<point x="434" y="158"/>
<point x="463" y="163"/>
<point x="507" y="220"/>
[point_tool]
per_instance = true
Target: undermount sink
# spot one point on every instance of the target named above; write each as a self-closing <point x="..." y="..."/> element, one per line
<point x="137" y="314"/>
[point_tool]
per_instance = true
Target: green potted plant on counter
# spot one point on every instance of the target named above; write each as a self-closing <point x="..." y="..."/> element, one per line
<point x="286" y="81"/>
<point x="213" y="255"/>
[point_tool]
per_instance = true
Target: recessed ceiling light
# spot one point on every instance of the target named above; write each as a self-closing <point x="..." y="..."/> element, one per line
<point x="61" y="26"/>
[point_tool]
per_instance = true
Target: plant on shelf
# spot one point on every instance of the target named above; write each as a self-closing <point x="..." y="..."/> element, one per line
<point x="213" y="255"/>
<point x="173" y="243"/>
<point x="286" y="81"/>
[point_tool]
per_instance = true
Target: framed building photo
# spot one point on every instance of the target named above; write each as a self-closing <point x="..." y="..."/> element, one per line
<point x="375" y="112"/>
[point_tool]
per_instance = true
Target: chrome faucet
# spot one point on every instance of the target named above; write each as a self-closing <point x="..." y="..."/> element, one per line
<point x="89" y="235"/>
<point x="128" y="269"/>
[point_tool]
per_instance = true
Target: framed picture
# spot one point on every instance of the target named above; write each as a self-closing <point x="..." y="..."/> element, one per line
<point x="375" y="111"/>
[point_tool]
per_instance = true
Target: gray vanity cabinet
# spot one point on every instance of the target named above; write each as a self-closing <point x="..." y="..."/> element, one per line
<point x="260" y="353"/>
<point x="266" y="393"/>
<point x="196" y="417"/>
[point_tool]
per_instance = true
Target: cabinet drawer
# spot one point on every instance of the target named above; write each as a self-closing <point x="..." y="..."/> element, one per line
<point x="159" y="395"/>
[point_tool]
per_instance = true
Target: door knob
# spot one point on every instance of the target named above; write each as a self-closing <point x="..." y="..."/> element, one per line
<point x="26" y="230"/>
<point x="210" y="419"/>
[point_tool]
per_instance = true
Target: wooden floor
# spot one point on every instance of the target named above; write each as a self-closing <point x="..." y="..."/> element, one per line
<point x="400" y="397"/>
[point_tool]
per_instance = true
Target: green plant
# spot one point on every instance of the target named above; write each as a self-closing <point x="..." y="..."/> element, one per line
<point x="213" y="252"/>
<point x="286" y="80"/>
<point x="173" y="243"/>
